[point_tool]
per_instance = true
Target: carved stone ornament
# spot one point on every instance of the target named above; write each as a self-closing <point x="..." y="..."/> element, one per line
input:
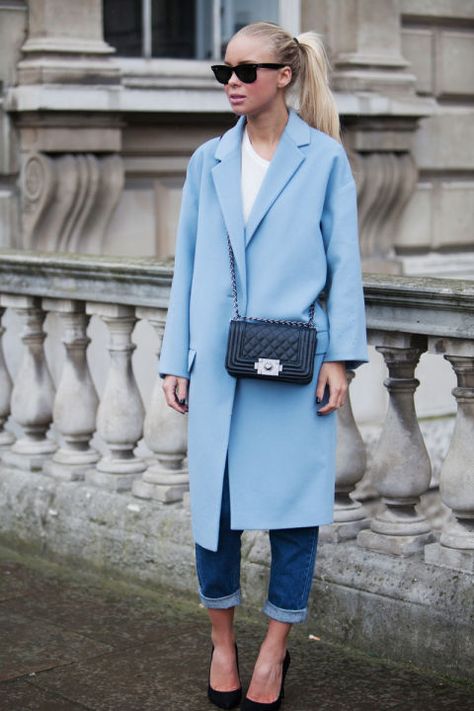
<point x="68" y="200"/>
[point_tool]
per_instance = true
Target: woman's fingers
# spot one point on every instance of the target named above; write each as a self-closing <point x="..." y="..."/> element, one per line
<point x="334" y="376"/>
<point x="176" y="392"/>
<point x="336" y="400"/>
<point x="321" y="388"/>
<point x="182" y="390"/>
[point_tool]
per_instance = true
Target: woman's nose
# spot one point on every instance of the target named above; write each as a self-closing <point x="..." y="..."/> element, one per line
<point x="234" y="79"/>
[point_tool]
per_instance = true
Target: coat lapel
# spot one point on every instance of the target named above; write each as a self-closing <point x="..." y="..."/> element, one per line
<point x="227" y="178"/>
<point x="286" y="160"/>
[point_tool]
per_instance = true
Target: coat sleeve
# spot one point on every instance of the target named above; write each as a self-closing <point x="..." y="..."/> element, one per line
<point x="175" y="345"/>
<point x="344" y="291"/>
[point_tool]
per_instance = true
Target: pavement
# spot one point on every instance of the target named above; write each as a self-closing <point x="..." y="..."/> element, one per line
<point x="71" y="640"/>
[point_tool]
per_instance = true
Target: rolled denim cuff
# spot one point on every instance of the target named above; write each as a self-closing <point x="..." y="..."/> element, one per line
<point x="221" y="603"/>
<point x="282" y="615"/>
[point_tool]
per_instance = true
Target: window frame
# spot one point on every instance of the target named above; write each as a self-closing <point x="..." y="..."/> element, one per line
<point x="289" y="16"/>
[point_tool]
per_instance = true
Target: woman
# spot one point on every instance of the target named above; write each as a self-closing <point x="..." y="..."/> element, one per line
<point x="262" y="454"/>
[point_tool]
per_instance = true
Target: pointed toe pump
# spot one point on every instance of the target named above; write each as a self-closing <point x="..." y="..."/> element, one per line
<point x="224" y="699"/>
<point x="249" y="705"/>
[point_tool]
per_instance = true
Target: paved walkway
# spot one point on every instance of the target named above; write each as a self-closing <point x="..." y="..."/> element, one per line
<point x="71" y="641"/>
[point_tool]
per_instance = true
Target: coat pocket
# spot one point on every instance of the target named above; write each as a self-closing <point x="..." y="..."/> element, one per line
<point x="191" y="357"/>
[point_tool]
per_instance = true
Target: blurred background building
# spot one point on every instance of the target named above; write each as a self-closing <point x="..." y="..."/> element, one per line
<point x="102" y="102"/>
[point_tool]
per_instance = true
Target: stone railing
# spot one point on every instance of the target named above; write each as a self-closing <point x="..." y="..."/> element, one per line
<point x="405" y="318"/>
<point x="51" y="428"/>
<point x="119" y="293"/>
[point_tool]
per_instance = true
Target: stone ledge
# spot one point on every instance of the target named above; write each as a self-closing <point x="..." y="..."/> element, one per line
<point x="189" y="94"/>
<point x="450" y="558"/>
<point x="418" y="305"/>
<point x="399" y="608"/>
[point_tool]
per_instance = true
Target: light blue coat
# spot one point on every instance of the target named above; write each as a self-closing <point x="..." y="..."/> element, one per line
<point x="301" y="238"/>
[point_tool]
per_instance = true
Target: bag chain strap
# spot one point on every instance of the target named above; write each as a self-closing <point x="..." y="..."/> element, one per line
<point x="306" y="324"/>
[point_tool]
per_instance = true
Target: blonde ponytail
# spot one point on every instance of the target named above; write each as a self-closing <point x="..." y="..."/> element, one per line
<point x="317" y="105"/>
<point x="310" y="67"/>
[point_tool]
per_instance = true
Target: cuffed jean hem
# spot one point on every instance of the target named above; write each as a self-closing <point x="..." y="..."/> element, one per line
<point x="278" y="613"/>
<point x="221" y="603"/>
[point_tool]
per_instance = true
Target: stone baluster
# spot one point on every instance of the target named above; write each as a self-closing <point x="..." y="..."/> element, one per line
<point x="120" y="413"/>
<point x="456" y="545"/>
<point x="402" y="468"/>
<point x="350" y="516"/>
<point x="33" y="390"/>
<point x="165" y="435"/>
<point x="76" y="401"/>
<point x="6" y="386"/>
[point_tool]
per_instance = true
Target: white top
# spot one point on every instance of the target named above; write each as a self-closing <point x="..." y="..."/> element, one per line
<point x="254" y="168"/>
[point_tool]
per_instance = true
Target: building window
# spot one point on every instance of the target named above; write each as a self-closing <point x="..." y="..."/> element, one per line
<point x="184" y="29"/>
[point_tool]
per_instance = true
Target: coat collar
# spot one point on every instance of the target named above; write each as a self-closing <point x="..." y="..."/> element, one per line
<point x="296" y="129"/>
<point x="227" y="180"/>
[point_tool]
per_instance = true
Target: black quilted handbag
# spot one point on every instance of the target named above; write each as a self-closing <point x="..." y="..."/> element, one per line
<point x="278" y="350"/>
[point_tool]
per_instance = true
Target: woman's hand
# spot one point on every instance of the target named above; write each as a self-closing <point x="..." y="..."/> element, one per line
<point x="332" y="375"/>
<point x="176" y="392"/>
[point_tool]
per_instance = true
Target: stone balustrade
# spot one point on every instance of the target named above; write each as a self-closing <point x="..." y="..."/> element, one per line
<point x="109" y="438"/>
<point x="57" y="425"/>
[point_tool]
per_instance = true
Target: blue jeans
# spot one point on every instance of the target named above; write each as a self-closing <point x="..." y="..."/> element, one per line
<point x="292" y="565"/>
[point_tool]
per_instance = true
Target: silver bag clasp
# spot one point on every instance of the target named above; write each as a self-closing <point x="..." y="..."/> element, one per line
<point x="268" y="366"/>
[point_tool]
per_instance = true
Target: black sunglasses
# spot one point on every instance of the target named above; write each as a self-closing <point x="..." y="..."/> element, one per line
<point x="245" y="72"/>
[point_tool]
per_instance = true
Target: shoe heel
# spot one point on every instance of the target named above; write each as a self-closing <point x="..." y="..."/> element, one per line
<point x="286" y="665"/>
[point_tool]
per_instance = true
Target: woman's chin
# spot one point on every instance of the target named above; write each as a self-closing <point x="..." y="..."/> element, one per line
<point x="238" y="110"/>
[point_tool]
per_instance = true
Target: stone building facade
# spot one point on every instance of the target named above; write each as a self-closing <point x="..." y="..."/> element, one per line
<point x="95" y="138"/>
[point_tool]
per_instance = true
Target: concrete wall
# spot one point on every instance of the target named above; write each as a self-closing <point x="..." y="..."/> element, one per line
<point x="438" y="40"/>
<point x="13" y="22"/>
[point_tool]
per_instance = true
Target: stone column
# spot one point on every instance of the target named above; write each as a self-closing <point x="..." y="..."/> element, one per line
<point x="456" y="545"/>
<point x="6" y="438"/>
<point x="33" y="390"/>
<point x="67" y="33"/>
<point x="350" y="516"/>
<point x="13" y="18"/>
<point x="70" y="159"/>
<point x="402" y="468"/>
<point x="120" y="413"/>
<point x="165" y="435"/>
<point x="365" y="40"/>
<point x="76" y="401"/>
<point x="379" y="108"/>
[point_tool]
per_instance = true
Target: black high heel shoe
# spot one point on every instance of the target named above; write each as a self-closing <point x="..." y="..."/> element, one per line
<point x="224" y="699"/>
<point x="249" y="705"/>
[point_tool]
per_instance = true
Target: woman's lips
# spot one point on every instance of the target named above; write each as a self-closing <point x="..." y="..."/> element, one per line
<point x="236" y="98"/>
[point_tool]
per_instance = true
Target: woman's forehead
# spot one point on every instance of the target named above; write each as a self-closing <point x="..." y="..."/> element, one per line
<point x="248" y="49"/>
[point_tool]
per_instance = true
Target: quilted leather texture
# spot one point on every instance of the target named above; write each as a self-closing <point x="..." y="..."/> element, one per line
<point x="270" y="342"/>
<point x="293" y="346"/>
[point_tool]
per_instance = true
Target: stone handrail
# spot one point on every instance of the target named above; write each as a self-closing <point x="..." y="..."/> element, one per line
<point x="406" y="317"/>
<point x="429" y="306"/>
<point x="113" y="280"/>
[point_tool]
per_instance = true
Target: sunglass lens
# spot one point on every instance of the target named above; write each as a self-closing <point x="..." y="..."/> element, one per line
<point x="222" y="73"/>
<point x="246" y="74"/>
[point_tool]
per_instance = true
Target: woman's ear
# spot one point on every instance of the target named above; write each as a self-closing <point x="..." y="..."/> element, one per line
<point x="284" y="77"/>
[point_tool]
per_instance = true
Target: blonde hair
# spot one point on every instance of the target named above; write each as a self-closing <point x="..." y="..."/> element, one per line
<point x="309" y="63"/>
